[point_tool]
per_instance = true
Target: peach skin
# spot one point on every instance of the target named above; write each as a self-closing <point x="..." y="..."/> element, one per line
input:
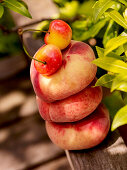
<point x="76" y="72"/>
<point x="73" y="108"/>
<point x="83" y="134"/>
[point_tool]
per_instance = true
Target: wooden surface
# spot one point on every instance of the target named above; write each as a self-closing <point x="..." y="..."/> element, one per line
<point x="111" y="154"/>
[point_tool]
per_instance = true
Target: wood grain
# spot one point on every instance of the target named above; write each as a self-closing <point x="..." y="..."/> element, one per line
<point x="111" y="154"/>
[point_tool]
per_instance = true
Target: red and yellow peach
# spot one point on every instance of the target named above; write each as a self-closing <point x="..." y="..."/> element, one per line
<point x="73" y="108"/>
<point x="76" y="72"/>
<point x="83" y="134"/>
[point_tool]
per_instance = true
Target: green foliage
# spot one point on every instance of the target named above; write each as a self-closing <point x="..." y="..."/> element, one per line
<point x="69" y="10"/>
<point x="111" y="64"/>
<point x="115" y="43"/>
<point x="113" y="58"/>
<point x="120" y="118"/>
<point x="106" y="80"/>
<point x="100" y="7"/>
<point x="91" y="31"/>
<point x="120" y="82"/>
<point x="114" y="102"/>
<point x="1" y="10"/>
<point x="118" y="18"/>
<point x="18" y="6"/>
<point x="9" y="44"/>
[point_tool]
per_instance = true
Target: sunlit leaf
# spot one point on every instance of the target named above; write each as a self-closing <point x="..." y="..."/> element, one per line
<point x="105" y="81"/>
<point x="17" y="6"/>
<point x="115" y="43"/>
<point x="111" y="64"/>
<point x="125" y="49"/>
<point x="120" y="82"/>
<point x="113" y="102"/>
<point x="111" y="32"/>
<point x="100" y="52"/>
<point x="69" y="10"/>
<point x="117" y="17"/>
<point x="92" y="31"/>
<point x="100" y="7"/>
<point x="123" y="2"/>
<point x="86" y="7"/>
<point x="120" y="118"/>
<point x="1" y="10"/>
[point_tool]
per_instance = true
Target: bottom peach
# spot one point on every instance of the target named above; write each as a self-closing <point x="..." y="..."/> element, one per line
<point x="82" y="134"/>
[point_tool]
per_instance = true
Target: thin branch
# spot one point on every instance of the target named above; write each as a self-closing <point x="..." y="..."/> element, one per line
<point x="15" y="29"/>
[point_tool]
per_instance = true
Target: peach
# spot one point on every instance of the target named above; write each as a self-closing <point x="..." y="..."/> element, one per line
<point x="59" y="34"/>
<point x="73" y="108"/>
<point x="76" y="72"/>
<point x="83" y="134"/>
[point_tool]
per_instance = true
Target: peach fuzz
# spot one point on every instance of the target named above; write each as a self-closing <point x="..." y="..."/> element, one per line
<point x="73" y="108"/>
<point x="76" y="72"/>
<point x="60" y="34"/>
<point x="83" y="134"/>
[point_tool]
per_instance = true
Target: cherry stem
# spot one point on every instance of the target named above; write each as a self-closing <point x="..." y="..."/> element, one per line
<point x="20" y="32"/>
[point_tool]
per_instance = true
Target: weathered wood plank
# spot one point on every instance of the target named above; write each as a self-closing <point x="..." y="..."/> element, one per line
<point x="59" y="164"/>
<point x="26" y="144"/>
<point x="111" y="154"/>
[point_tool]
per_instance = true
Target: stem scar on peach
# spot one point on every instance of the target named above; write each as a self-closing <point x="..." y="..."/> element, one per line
<point x="59" y="34"/>
<point x="51" y="57"/>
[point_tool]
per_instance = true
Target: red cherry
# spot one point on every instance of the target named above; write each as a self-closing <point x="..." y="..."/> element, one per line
<point x="52" y="58"/>
<point x="59" y="34"/>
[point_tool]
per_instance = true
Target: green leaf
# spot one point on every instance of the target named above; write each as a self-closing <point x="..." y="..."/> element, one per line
<point x="1" y="10"/>
<point x="117" y="17"/>
<point x="17" y="7"/>
<point x="123" y="2"/>
<point x="101" y="51"/>
<point x="120" y="82"/>
<point x="115" y="43"/>
<point x="92" y="31"/>
<point x="111" y="32"/>
<point x="113" y="102"/>
<point x="105" y="81"/>
<point x="69" y="10"/>
<point x="100" y="7"/>
<point x="111" y="64"/>
<point x="125" y="49"/>
<point x="120" y="118"/>
<point x="86" y="7"/>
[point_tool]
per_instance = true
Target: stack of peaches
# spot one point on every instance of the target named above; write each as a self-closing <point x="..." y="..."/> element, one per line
<point x="63" y="78"/>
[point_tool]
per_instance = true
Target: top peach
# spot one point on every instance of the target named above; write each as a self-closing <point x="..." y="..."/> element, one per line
<point x="59" y="34"/>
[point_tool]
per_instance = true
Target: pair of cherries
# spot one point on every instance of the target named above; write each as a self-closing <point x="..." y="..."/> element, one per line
<point x="56" y="39"/>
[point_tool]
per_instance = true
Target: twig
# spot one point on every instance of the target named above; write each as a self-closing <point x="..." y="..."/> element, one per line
<point x="15" y="29"/>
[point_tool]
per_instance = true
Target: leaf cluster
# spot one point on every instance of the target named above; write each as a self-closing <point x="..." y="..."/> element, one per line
<point x="113" y="57"/>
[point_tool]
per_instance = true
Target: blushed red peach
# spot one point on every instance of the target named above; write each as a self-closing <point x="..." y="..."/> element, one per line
<point x="60" y="34"/>
<point x="76" y="73"/>
<point x="83" y="134"/>
<point x="73" y="108"/>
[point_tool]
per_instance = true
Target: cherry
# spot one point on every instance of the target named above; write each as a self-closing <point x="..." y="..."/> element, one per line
<point x="59" y="34"/>
<point x="51" y="57"/>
